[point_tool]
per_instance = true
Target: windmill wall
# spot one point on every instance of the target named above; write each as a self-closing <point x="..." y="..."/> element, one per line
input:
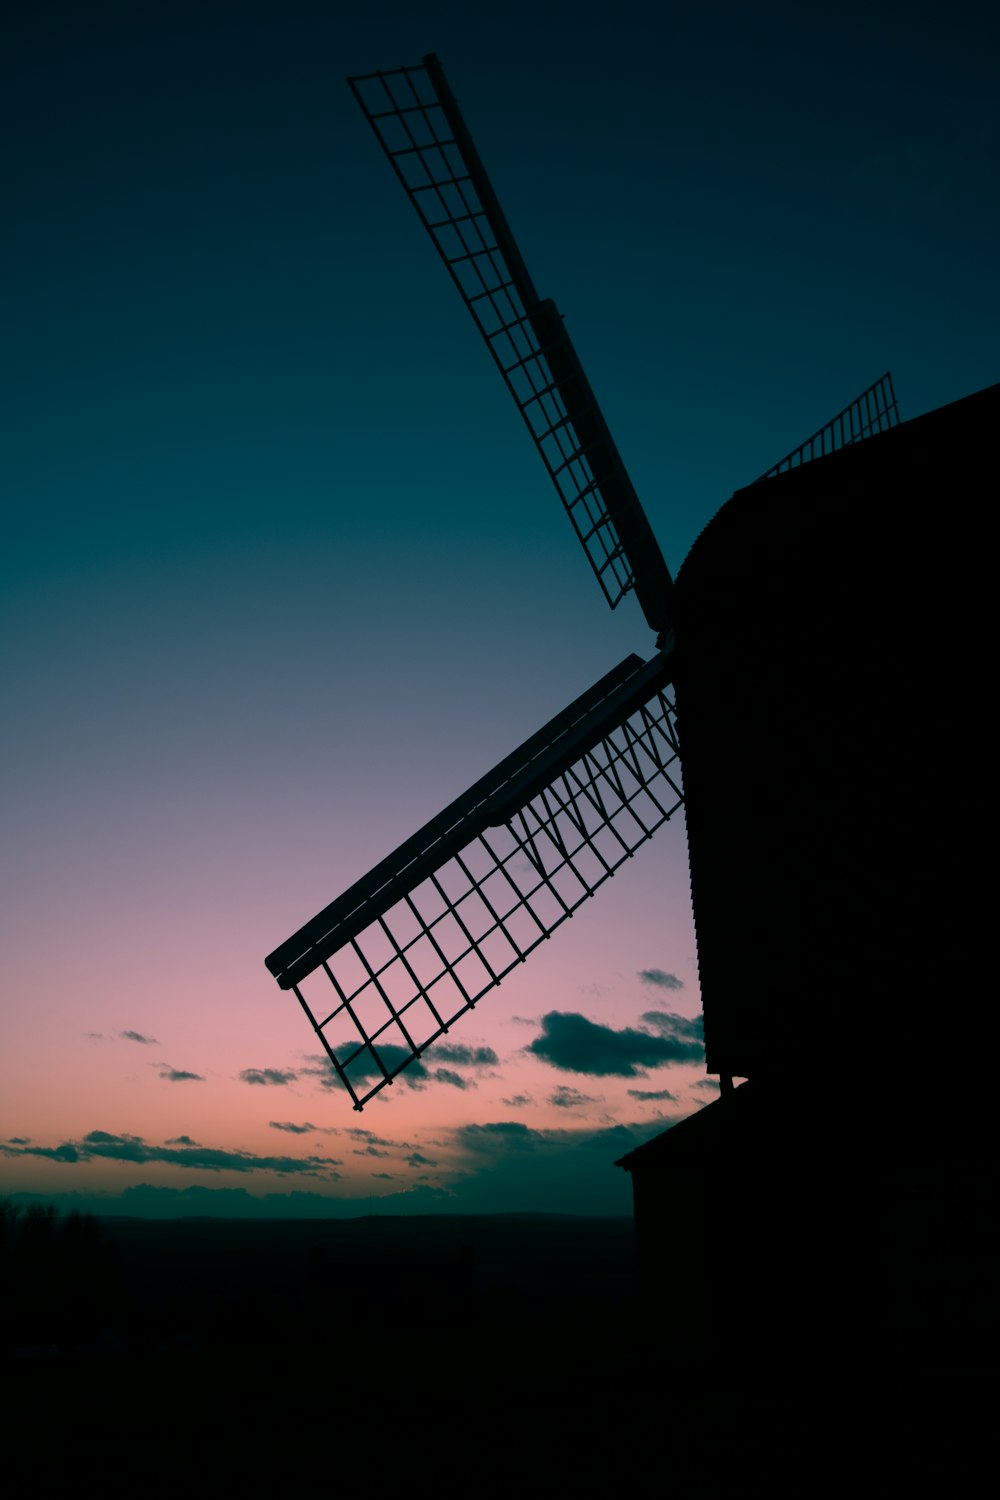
<point x="834" y="701"/>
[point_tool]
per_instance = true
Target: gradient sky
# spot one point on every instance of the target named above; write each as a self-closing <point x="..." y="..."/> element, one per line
<point x="281" y="571"/>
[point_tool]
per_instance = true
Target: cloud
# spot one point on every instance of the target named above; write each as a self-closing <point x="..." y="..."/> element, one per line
<point x="182" y="1140"/>
<point x="503" y="1134"/>
<point x="358" y="1133"/>
<point x="464" y="1057"/>
<point x="661" y="979"/>
<point x="137" y="1036"/>
<point x="103" y="1145"/>
<point x="712" y="1084"/>
<point x="267" y="1076"/>
<point x="363" y="1067"/>
<point x="575" y="1045"/>
<point x="178" y="1075"/>
<point x="510" y="1165"/>
<point x="415" y="1074"/>
<point x="690" y="1029"/>
<point x="321" y="1068"/>
<point x="366" y="1066"/>
<point x="416" y="1160"/>
<point x="567" y="1098"/>
<point x="370" y="1151"/>
<point x="501" y="1167"/>
<point x="385" y="1176"/>
<point x="20" y="1140"/>
<point x="303" y="1129"/>
<point x="615" y="1140"/>
<point x="518" y="1101"/>
<point x="648" y="1095"/>
<point x="66" y="1152"/>
<point x="447" y="1075"/>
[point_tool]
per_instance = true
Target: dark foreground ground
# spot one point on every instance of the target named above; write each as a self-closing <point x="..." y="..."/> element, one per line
<point x="453" y="1356"/>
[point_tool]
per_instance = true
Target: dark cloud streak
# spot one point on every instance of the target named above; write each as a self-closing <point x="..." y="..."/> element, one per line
<point x="463" y="1057"/>
<point x="661" y="979"/>
<point x="275" y="1077"/>
<point x="102" y="1145"/>
<point x="565" y="1097"/>
<point x="680" y="1028"/>
<point x="449" y="1076"/>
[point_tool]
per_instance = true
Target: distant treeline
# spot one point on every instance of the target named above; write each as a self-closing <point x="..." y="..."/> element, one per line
<point x="57" y="1276"/>
<point x="78" y="1283"/>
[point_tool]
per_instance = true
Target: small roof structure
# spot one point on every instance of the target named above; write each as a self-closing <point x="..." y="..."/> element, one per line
<point x="741" y="1120"/>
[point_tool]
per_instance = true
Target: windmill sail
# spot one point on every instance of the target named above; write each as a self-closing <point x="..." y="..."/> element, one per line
<point x="411" y="947"/>
<point x="417" y="121"/>
<point x="875" y="410"/>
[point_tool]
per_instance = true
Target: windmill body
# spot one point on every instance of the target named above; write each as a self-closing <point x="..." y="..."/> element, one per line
<point x="836" y="738"/>
<point x="829" y="690"/>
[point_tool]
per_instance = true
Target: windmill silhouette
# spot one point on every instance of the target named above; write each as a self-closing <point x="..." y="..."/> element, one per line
<point x="397" y="959"/>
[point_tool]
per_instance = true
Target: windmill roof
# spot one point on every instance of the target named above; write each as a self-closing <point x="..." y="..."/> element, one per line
<point x="702" y="1134"/>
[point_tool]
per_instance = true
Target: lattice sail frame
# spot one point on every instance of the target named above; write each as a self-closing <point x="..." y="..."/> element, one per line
<point x="875" y="410"/>
<point x="420" y="128"/>
<point x="400" y="957"/>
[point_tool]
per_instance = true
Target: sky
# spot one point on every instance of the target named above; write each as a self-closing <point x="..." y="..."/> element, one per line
<point x="282" y="573"/>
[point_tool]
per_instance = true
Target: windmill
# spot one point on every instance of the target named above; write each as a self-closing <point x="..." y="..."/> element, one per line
<point x="394" y="962"/>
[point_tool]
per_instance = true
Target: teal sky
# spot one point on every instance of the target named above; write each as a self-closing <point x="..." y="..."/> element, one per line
<point x="282" y="574"/>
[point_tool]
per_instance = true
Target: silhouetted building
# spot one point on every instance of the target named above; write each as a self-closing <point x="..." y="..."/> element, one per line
<point x="835" y="723"/>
